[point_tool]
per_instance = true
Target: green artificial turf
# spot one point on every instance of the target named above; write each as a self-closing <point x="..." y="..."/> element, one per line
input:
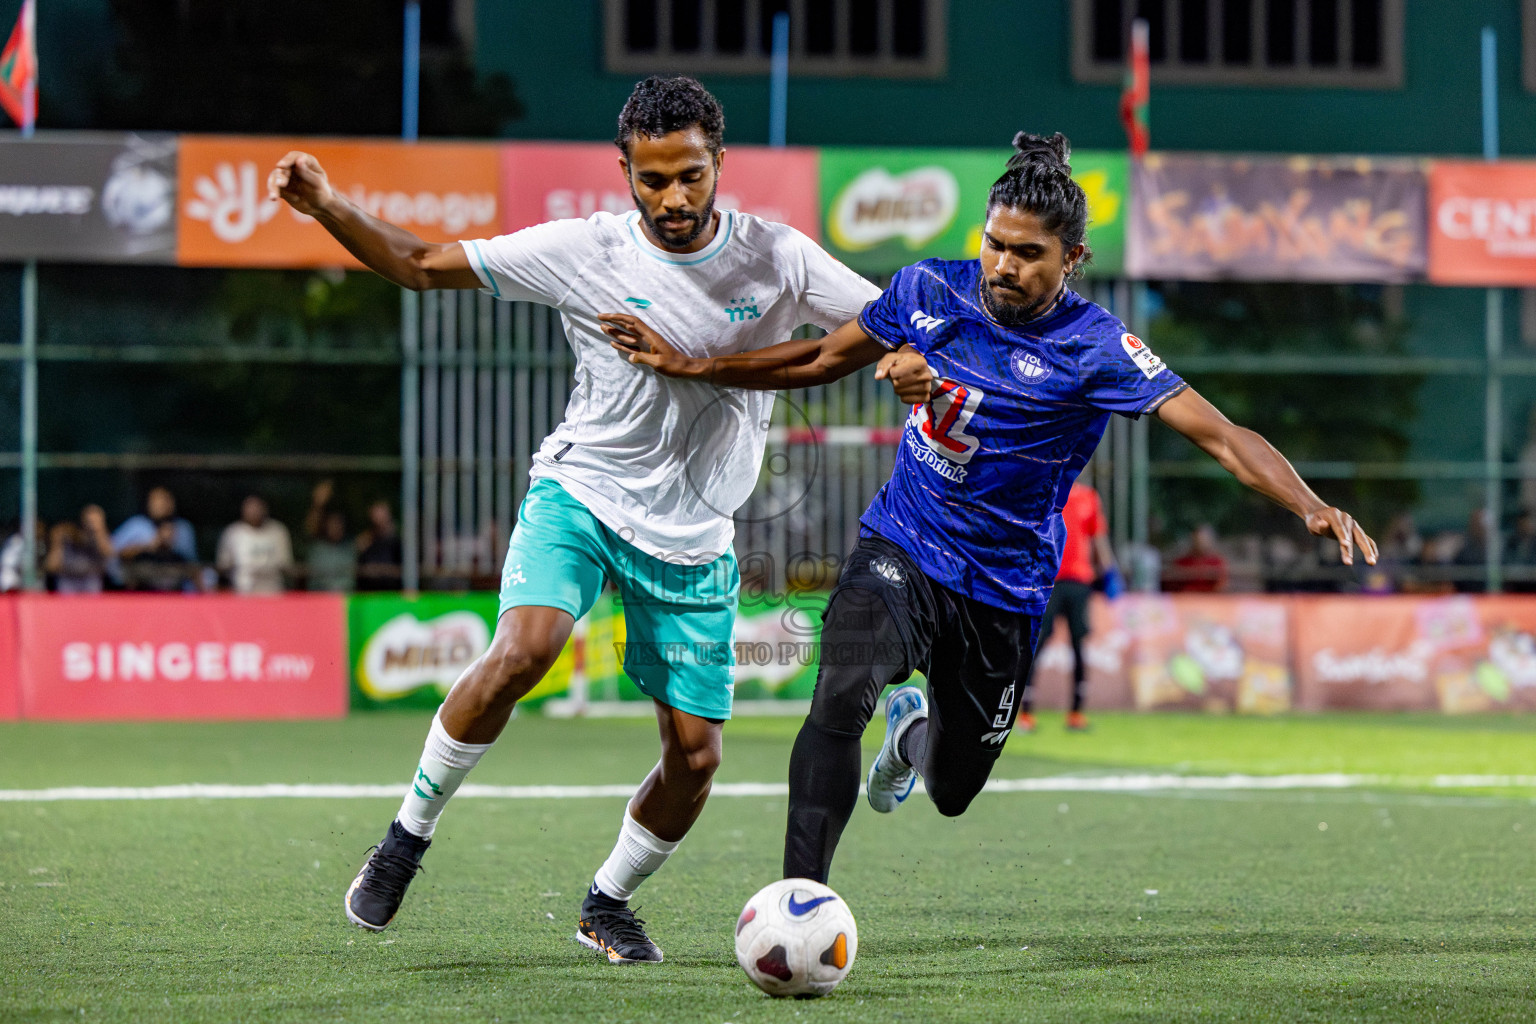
<point x="1410" y="905"/>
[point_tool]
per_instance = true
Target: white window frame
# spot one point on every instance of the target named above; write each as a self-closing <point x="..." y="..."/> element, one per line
<point x="1171" y="71"/>
<point x="752" y="61"/>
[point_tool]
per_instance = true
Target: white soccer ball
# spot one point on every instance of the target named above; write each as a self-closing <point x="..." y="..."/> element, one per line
<point x="796" y="937"/>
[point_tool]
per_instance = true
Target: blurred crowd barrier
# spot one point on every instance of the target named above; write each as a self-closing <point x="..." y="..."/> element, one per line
<point x="125" y="657"/>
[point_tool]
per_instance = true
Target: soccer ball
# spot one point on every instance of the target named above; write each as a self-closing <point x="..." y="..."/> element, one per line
<point x="796" y="937"/>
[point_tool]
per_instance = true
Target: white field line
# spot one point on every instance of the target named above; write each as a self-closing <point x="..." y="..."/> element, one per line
<point x="1046" y="784"/>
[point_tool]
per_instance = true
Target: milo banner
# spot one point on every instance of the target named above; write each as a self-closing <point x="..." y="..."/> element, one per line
<point x="407" y="652"/>
<point x="1205" y="217"/>
<point x="885" y="208"/>
<point x="1452" y="654"/>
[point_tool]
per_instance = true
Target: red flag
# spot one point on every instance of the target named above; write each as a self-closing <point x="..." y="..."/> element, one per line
<point x="18" y="69"/>
<point x="1137" y="95"/>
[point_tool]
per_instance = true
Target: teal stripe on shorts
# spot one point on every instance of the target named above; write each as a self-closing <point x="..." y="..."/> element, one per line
<point x="679" y="620"/>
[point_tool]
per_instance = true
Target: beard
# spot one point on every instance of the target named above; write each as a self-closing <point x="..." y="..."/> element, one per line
<point x="677" y="239"/>
<point x="1011" y="314"/>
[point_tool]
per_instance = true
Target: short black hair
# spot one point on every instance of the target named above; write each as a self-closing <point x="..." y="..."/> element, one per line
<point x="1039" y="179"/>
<point x="660" y="105"/>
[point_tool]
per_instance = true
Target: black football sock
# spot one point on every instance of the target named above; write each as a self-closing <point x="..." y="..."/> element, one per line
<point x="823" y="788"/>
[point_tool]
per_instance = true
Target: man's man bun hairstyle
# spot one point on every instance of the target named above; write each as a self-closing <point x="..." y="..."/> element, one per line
<point x="662" y="105"/>
<point x="1039" y="180"/>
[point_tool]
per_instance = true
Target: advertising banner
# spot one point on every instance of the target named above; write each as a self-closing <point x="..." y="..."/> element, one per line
<point x="93" y="198"/>
<point x="557" y="180"/>
<point x="440" y="191"/>
<point x="1207" y="217"/>
<point x="127" y="657"/>
<point x="1208" y="653"/>
<point x="887" y="208"/>
<point x="1108" y="654"/>
<point x="1452" y="654"/>
<point x="408" y="651"/>
<point x="1482" y="223"/>
<point x="10" y="689"/>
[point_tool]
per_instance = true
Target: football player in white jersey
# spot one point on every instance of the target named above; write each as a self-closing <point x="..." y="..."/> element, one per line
<point x="637" y="485"/>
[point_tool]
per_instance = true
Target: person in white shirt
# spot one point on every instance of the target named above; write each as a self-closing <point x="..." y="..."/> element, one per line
<point x="255" y="552"/>
<point x="637" y="485"/>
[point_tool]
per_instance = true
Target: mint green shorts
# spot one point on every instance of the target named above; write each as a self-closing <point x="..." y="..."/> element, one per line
<point x="679" y="620"/>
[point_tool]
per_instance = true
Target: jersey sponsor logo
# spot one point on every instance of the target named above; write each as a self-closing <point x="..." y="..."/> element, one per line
<point x="941" y="422"/>
<point x="925" y="322"/>
<point x="1028" y="367"/>
<point x="886" y="568"/>
<point x="1145" y="361"/>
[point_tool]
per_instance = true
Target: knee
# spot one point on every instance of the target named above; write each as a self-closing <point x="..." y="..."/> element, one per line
<point x="699" y="756"/>
<point x="510" y="668"/>
<point x="951" y="800"/>
<point x="705" y="761"/>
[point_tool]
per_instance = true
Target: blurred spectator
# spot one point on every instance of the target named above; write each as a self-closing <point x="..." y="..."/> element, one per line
<point x="378" y="551"/>
<point x="332" y="557"/>
<point x="322" y="502"/>
<point x="11" y="552"/>
<point x="137" y="533"/>
<point x="1473" y="555"/>
<point x="1520" y="554"/>
<point x="1528" y="465"/>
<point x="1201" y="568"/>
<point x="161" y="567"/>
<point x="255" y="551"/>
<point x="1400" y="550"/>
<point x="78" y="553"/>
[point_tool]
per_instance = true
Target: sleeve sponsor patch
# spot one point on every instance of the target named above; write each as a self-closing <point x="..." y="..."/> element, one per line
<point x="1145" y="361"/>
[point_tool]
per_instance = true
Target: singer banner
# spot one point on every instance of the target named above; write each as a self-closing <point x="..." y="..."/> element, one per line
<point x="1208" y="217"/>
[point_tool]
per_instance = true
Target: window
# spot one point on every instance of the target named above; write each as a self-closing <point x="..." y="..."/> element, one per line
<point x="842" y="38"/>
<point x="1335" y="43"/>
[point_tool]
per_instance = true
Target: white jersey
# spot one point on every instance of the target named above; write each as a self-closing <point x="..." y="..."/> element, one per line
<point x="663" y="462"/>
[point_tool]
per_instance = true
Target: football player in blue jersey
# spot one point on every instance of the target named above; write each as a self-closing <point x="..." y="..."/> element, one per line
<point x="1013" y="377"/>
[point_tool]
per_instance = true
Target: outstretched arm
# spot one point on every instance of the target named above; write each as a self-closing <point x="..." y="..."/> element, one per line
<point x="1259" y="465"/>
<point x="791" y="364"/>
<point x="389" y="251"/>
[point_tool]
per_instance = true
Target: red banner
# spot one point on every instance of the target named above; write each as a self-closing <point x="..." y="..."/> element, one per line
<point x="558" y="180"/>
<point x="1450" y="654"/>
<point x="124" y="657"/>
<point x="10" y="689"/>
<point x="1482" y="220"/>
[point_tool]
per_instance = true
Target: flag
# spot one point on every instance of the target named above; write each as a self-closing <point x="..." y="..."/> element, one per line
<point x="1137" y="95"/>
<point x="18" y="69"/>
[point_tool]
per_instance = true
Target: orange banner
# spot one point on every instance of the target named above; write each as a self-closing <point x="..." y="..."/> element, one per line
<point x="1482" y="223"/>
<point x="1452" y="654"/>
<point x="440" y="191"/>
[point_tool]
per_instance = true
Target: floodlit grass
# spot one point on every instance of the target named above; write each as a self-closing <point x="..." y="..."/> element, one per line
<point x="1410" y="905"/>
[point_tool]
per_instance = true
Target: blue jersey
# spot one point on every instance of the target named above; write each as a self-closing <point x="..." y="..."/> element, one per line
<point x="985" y="467"/>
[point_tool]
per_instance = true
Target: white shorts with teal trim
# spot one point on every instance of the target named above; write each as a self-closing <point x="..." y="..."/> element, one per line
<point x="679" y="620"/>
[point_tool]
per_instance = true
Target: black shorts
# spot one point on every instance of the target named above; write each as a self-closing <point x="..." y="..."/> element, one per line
<point x="1069" y="600"/>
<point x="885" y="620"/>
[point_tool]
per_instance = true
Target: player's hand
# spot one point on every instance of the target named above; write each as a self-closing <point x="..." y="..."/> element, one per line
<point x="1336" y="523"/>
<point x="300" y="181"/>
<point x="909" y="373"/>
<point x="638" y="342"/>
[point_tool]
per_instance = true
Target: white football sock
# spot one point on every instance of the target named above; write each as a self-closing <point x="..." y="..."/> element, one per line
<point x="635" y="857"/>
<point x="444" y="763"/>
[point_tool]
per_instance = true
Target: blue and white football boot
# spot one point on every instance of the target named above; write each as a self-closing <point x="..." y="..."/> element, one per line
<point x="891" y="779"/>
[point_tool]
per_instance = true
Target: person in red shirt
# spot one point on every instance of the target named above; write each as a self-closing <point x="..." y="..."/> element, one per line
<point x="1087" y="542"/>
<point x="1201" y="569"/>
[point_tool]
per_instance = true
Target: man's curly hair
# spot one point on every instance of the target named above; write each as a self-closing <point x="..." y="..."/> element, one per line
<point x="659" y="106"/>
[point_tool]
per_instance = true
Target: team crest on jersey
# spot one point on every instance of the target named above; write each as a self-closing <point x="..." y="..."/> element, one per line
<point x="1145" y="361"/>
<point x="1029" y="368"/>
<point x="886" y="568"/>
